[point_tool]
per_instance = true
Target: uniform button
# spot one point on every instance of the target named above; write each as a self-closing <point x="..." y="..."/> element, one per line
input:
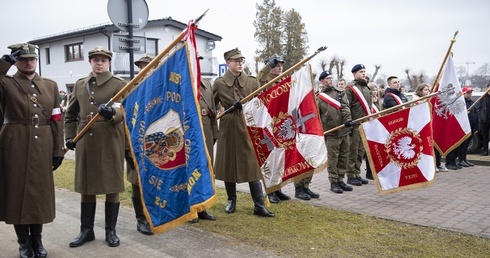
<point x="36" y="126"/>
<point x="35" y="105"/>
<point x="32" y="86"/>
<point x="34" y="95"/>
<point x="91" y="113"/>
<point x="36" y="137"/>
<point x="91" y="134"/>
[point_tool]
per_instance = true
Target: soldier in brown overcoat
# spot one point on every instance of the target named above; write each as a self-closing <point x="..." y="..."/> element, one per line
<point x="100" y="151"/>
<point x="235" y="157"/>
<point x="31" y="141"/>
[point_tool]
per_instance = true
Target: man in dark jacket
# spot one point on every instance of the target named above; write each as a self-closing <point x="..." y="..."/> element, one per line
<point x="483" y="109"/>
<point x="393" y="96"/>
<point x="32" y="148"/>
<point x="473" y="119"/>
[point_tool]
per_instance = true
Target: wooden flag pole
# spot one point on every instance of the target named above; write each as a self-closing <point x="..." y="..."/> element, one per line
<point x="436" y="80"/>
<point x="479" y="99"/>
<point x="142" y="73"/>
<point x="294" y="67"/>
<point x="385" y="111"/>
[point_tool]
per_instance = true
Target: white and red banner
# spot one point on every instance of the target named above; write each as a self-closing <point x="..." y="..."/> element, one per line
<point x="399" y="148"/>
<point x="285" y="131"/>
<point x="450" y="117"/>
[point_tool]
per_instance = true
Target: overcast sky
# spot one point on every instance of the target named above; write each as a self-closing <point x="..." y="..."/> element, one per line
<point x="394" y="34"/>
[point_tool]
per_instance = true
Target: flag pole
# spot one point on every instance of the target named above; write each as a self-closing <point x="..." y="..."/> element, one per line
<point x="436" y="80"/>
<point x="385" y="111"/>
<point x="136" y="79"/>
<point x="294" y="67"/>
<point x="479" y="99"/>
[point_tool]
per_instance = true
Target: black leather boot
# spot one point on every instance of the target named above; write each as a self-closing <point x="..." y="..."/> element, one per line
<point x="299" y="192"/>
<point x="273" y="198"/>
<point x="25" y="248"/>
<point x="111" y="213"/>
<point x="87" y="228"/>
<point x="282" y="196"/>
<point x="258" y="198"/>
<point x="231" y="192"/>
<point x="36" y="243"/>
<point x="142" y="226"/>
<point x="335" y="187"/>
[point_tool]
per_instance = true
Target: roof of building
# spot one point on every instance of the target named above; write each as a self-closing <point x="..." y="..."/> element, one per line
<point x="111" y="28"/>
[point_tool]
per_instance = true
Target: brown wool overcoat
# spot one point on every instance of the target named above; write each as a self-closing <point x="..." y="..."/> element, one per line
<point x="99" y="153"/>
<point x="235" y="158"/>
<point x="26" y="151"/>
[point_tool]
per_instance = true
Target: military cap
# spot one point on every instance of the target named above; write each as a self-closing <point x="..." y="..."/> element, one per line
<point x="278" y="58"/>
<point x="26" y="50"/>
<point x="233" y="54"/>
<point x="323" y="75"/>
<point x="100" y="51"/>
<point x="143" y="59"/>
<point x="357" y="67"/>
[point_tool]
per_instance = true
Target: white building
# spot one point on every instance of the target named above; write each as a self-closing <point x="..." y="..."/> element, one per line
<point x="63" y="57"/>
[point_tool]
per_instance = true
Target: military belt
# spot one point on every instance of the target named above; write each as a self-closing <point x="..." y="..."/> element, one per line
<point x="27" y="121"/>
<point x="89" y="117"/>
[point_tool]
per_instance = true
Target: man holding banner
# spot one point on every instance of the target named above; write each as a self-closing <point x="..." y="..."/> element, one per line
<point x="100" y="152"/>
<point x="235" y="162"/>
<point x="359" y="98"/>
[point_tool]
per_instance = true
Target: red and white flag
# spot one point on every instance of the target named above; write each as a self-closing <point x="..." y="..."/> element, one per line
<point x="399" y="148"/>
<point x="450" y="117"/>
<point x="285" y="130"/>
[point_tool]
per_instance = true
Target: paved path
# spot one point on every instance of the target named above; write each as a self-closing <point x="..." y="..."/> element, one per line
<point x="458" y="201"/>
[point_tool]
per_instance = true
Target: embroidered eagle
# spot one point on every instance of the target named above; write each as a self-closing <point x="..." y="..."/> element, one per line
<point x="404" y="148"/>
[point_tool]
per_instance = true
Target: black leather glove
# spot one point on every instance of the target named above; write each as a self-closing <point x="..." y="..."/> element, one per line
<point x="129" y="159"/>
<point x="350" y="123"/>
<point x="11" y="58"/>
<point x="57" y="162"/>
<point x="238" y="105"/>
<point x="272" y="62"/>
<point x="70" y="144"/>
<point x="106" y="112"/>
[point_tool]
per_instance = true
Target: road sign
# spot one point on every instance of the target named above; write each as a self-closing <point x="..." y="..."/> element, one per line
<point x="119" y="15"/>
<point x="120" y="43"/>
<point x="222" y="69"/>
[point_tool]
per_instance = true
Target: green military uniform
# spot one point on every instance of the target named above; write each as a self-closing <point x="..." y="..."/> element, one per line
<point x="337" y="141"/>
<point x="356" y="149"/>
<point x="208" y="114"/>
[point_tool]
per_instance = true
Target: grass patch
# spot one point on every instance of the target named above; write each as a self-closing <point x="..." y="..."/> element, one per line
<point x="303" y="230"/>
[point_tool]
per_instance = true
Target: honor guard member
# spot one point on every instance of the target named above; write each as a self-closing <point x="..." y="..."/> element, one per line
<point x="32" y="148"/>
<point x="359" y="98"/>
<point x="100" y="151"/>
<point x="235" y="157"/>
<point x="209" y="126"/>
<point x="272" y="69"/>
<point x="142" y="224"/>
<point x="334" y="112"/>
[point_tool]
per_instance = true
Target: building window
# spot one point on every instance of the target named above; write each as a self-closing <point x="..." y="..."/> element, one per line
<point x="74" y="52"/>
<point x="48" y="56"/>
<point x="151" y="47"/>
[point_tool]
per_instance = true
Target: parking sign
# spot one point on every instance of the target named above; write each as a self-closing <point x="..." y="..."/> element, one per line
<point x="222" y="69"/>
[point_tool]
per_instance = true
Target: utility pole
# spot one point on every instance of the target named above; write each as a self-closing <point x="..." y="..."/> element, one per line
<point x="468" y="68"/>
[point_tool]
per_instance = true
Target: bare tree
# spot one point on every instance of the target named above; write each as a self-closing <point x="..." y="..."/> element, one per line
<point x="407" y="71"/>
<point x="376" y="70"/>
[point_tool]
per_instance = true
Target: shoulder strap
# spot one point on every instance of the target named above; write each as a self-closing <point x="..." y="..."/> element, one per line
<point x="31" y="98"/>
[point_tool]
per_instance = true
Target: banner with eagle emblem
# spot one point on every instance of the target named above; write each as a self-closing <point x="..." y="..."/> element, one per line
<point x="285" y="131"/>
<point x="450" y="117"/>
<point x="166" y="136"/>
<point x="399" y="149"/>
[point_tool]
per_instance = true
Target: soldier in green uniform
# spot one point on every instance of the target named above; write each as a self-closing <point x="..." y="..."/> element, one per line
<point x="235" y="157"/>
<point x="272" y="69"/>
<point x="100" y="151"/>
<point x="333" y="109"/>
<point x="32" y="148"/>
<point x="142" y="224"/>
<point x="359" y="98"/>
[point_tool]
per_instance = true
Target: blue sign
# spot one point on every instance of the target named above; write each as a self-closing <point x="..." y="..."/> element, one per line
<point x="222" y="69"/>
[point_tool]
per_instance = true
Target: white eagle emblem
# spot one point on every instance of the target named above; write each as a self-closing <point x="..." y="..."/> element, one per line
<point x="404" y="148"/>
<point x="447" y="103"/>
<point x="286" y="129"/>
